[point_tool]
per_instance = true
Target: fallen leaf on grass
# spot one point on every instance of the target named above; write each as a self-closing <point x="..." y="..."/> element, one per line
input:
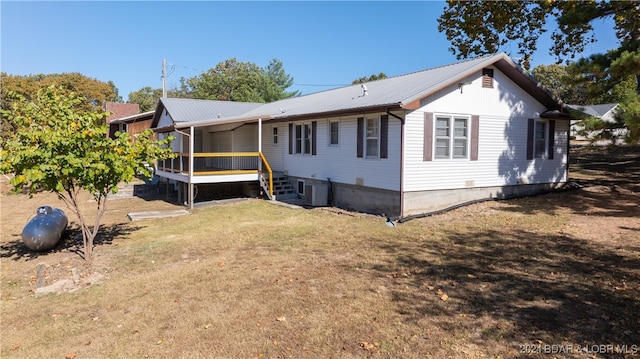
<point x="444" y="297"/>
<point x="70" y="355"/>
<point x="369" y="346"/>
<point x="281" y="318"/>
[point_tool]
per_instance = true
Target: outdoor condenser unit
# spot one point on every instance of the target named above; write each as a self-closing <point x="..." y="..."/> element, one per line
<point x="316" y="194"/>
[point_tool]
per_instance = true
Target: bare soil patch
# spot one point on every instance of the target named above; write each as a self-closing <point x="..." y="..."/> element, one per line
<point x="523" y="278"/>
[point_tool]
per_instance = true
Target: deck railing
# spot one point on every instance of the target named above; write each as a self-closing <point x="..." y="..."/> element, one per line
<point x="219" y="163"/>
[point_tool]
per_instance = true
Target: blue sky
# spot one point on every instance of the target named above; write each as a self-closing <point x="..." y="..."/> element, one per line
<point x="319" y="43"/>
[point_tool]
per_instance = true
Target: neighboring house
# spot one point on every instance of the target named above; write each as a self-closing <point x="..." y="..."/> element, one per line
<point x="132" y="124"/>
<point x="119" y="110"/>
<point x="605" y="112"/>
<point x="400" y="146"/>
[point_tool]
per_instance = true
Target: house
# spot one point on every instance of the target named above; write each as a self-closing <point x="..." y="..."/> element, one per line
<point x="119" y="110"/>
<point x="132" y="124"/>
<point x="605" y="112"/>
<point x="400" y="146"/>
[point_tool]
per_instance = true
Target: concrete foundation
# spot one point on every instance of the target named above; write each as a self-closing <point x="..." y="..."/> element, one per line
<point x="428" y="201"/>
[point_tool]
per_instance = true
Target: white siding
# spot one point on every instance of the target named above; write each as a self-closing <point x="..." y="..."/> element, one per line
<point x="245" y="138"/>
<point x="340" y="163"/>
<point x="275" y="152"/>
<point x="502" y="145"/>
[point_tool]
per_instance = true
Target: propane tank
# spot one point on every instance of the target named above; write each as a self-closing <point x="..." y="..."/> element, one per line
<point x="44" y="230"/>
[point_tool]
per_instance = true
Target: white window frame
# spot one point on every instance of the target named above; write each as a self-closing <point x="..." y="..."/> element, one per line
<point x="537" y="141"/>
<point x="298" y="184"/>
<point x="330" y="132"/>
<point x="450" y="136"/>
<point x="274" y="135"/>
<point x="303" y="139"/>
<point x="371" y="137"/>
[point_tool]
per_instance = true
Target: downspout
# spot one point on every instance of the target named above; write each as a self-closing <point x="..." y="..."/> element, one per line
<point x="190" y="200"/>
<point x="402" y="121"/>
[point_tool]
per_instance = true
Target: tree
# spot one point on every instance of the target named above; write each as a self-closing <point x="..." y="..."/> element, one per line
<point x="275" y="82"/>
<point x="232" y="80"/>
<point x="60" y="146"/>
<point x="95" y="92"/>
<point x="373" y="77"/>
<point x="146" y="98"/>
<point x="483" y="27"/>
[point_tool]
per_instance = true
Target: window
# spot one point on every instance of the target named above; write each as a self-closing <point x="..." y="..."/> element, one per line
<point x="451" y="137"/>
<point x="301" y="187"/>
<point x="307" y="139"/>
<point x="304" y="139"/>
<point x="372" y="133"/>
<point x="274" y="136"/>
<point x="298" y="138"/>
<point x="334" y="133"/>
<point x="372" y="137"/>
<point x="540" y="140"/>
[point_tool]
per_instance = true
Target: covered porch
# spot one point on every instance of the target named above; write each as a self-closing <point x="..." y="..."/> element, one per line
<point x="213" y="154"/>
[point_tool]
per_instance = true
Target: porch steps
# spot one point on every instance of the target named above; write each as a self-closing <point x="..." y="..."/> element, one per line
<point x="282" y="187"/>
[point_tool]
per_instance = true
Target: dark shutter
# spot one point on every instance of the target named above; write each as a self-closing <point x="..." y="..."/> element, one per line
<point x="552" y="139"/>
<point x="291" y="138"/>
<point x="475" y="131"/>
<point x="530" y="134"/>
<point x="314" y="128"/>
<point x="384" y="136"/>
<point x="360" y="139"/>
<point x="427" y="151"/>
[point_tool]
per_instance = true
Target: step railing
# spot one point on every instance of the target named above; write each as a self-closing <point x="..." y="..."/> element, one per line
<point x="222" y="163"/>
<point x="265" y="163"/>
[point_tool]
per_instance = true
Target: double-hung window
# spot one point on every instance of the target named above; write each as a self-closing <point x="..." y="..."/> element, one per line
<point x="274" y="135"/>
<point x="303" y="139"/>
<point x="540" y="140"/>
<point x="451" y="136"/>
<point x="372" y="136"/>
<point x="334" y="133"/>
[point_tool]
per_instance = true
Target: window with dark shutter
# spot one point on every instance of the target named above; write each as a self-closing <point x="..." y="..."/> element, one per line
<point x="290" y="138"/>
<point x="384" y="136"/>
<point x="314" y="130"/>
<point x="427" y="151"/>
<point x="360" y="138"/>
<point x="475" y="132"/>
<point x="530" y="133"/>
<point x="487" y="78"/>
<point x="552" y="140"/>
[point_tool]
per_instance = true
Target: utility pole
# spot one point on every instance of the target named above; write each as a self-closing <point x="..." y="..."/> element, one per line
<point x="164" y="78"/>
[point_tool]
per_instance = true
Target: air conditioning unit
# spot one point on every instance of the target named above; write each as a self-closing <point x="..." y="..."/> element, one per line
<point x="316" y="194"/>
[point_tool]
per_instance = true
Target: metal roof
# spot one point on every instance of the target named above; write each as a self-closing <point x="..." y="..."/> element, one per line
<point x="194" y="111"/>
<point x="403" y="91"/>
<point x="133" y="118"/>
<point x="594" y="110"/>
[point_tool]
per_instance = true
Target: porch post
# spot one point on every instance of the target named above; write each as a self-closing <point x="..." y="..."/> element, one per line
<point x="259" y="143"/>
<point x="191" y="161"/>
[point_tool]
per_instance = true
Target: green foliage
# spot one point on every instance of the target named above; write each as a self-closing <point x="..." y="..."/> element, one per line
<point x="60" y="146"/>
<point x="146" y="98"/>
<point x="483" y="27"/>
<point x="232" y="80"/>
<point x="373" y="77"/>
<point x="94" y="92"/>
<point x="275" y="82"/>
